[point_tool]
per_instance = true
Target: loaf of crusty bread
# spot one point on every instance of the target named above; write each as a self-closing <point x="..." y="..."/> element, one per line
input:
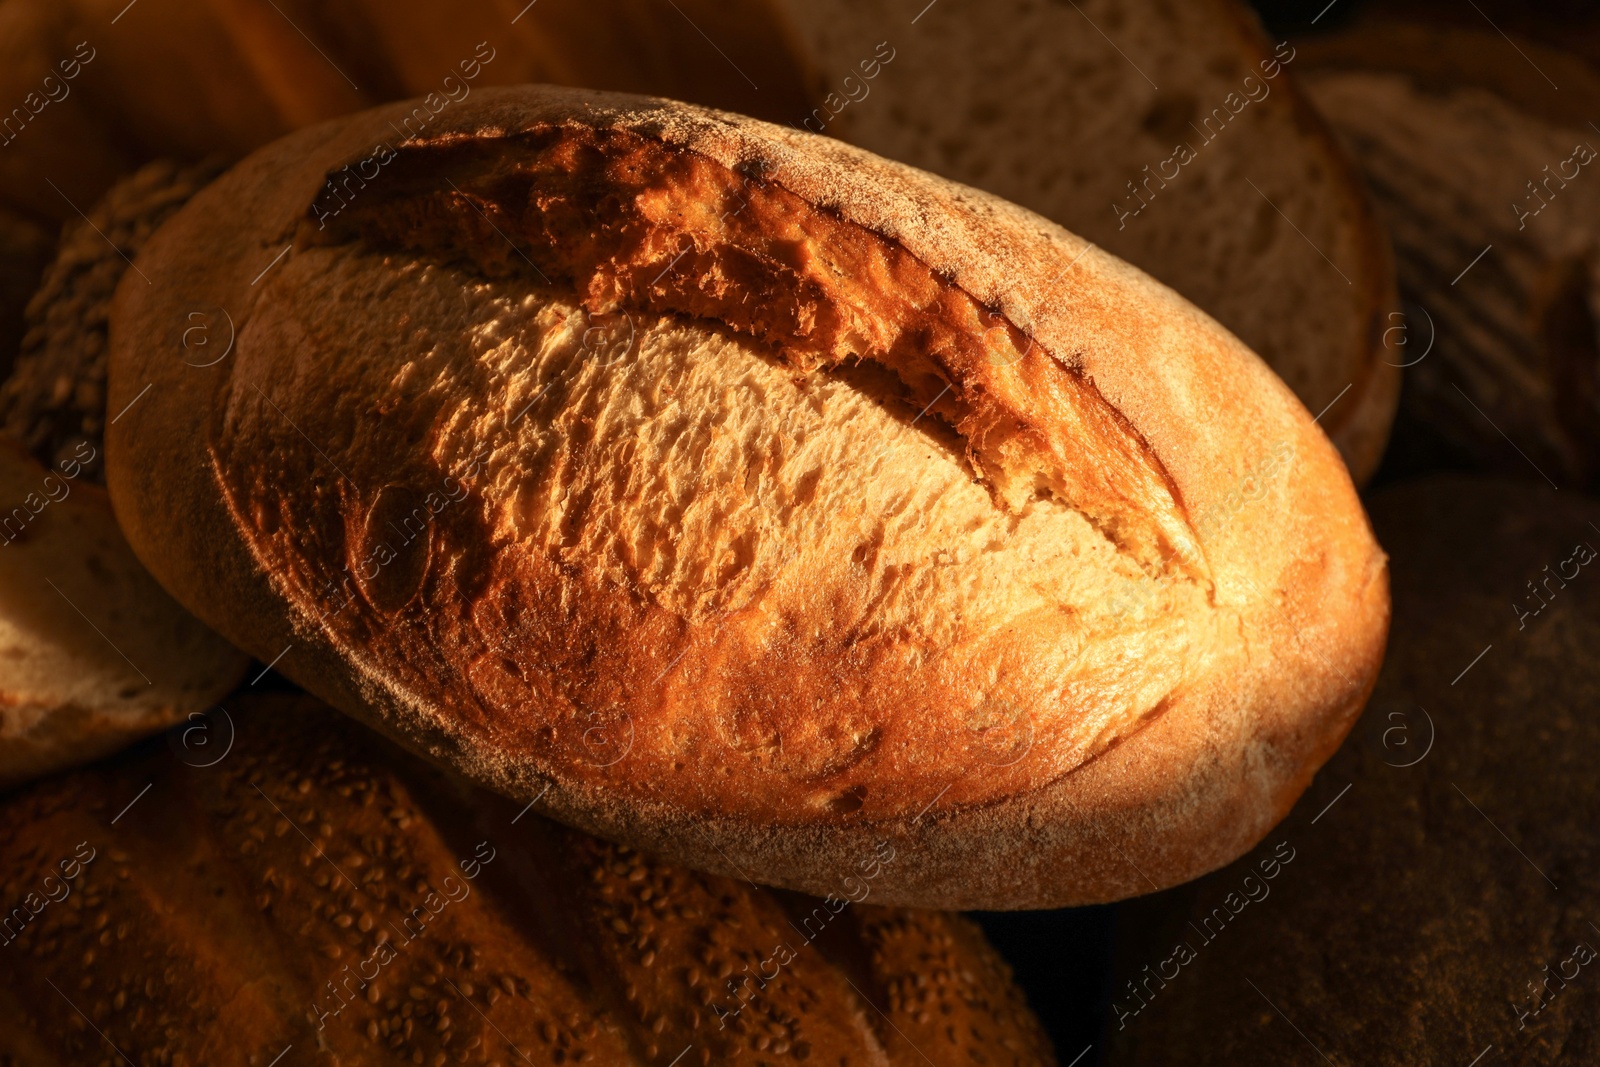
<point x="1033" y="102"/>
<point x="1427" y="901"/>
<point x="1483" y="171"/>
<point x="1172" y="135"/>
<point x="737" y="494"/>
<point x="296" y="883"/>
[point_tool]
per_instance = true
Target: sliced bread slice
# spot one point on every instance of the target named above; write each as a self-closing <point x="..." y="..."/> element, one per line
<point x="1169" y="134"/>
<point x="93" y="653"/>
<point x="1488" y="176"/>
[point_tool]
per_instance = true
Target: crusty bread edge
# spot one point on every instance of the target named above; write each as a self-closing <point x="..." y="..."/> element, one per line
<point x="1359" y="422"/>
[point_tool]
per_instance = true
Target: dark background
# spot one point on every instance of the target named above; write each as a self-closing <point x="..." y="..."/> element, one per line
<point x="1063" y="959"/>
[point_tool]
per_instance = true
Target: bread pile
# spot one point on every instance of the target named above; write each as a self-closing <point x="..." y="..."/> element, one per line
<point x="683" y="544"/>
<point x="766" y="536"/>
<point x="1172" y="135"/>
<point x="1427" y="899"/>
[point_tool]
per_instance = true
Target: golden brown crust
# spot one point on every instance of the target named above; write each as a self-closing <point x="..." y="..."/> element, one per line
<point x="628" y="222"/>
<point x="1165" y="759"/>
<point x="1013" y="90"/>
<point x="310" y="886"/>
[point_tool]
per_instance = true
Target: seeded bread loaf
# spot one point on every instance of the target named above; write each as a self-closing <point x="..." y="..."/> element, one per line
<point x="93" y="652"/>
<point x="737" y="494"/>
<point x="281" y="879"/>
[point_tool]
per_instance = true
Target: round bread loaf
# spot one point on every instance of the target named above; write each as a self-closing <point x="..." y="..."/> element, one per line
<point x="737" y="494"/>
<point x="282" y="878"/>
<point x="1431" y="899"/>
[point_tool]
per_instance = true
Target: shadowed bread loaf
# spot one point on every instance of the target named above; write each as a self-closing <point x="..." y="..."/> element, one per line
<point x="740" y="495"/>
<point x="295" y="882"/>
<point x="93" y="652"/>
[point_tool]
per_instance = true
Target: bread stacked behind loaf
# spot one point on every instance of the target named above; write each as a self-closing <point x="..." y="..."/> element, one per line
<point x="1486" y="176"/>
<point x="93" y="653"/>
